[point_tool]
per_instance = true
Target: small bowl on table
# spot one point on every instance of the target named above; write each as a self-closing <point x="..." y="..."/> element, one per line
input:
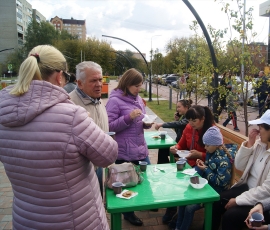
<point x="200" y="185"/>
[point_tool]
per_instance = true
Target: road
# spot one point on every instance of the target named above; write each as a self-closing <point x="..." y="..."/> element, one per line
<point x="163" y="91"/>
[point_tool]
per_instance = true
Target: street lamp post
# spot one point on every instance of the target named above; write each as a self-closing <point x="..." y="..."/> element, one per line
<point x="150" y="79"/>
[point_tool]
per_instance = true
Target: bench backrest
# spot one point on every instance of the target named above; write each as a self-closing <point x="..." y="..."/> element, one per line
<point x="230" y="136"/>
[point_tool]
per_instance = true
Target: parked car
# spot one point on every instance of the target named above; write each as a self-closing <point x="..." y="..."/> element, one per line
<point x="157" y="79"/>
<point x="175" y="84"/>
<point x="252" y="98"/>
<point x="171" y="78"/>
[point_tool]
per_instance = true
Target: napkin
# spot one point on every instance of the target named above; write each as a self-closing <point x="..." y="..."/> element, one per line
<point x="190" y="172"/>
<point x="120" y="195"/>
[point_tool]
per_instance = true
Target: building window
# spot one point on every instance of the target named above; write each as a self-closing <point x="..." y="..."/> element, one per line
<point x="19" y="11"/>
<point x="20" y="41"/>
<point x="20" y="28"/>
<point x="29" y="11"/>
<point x="19" y="19"/>
<point x="19" y="3"/>
<point x="29" y="19"/>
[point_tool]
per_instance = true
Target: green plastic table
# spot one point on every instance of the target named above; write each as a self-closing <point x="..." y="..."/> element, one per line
<point x="157" y="143"/>
<point x="161" y="190"/>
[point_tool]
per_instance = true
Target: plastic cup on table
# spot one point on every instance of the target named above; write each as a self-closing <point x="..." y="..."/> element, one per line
<point x="117" y="187"/>
<point x="143" y="165"/>
<point x="180" y="165"/>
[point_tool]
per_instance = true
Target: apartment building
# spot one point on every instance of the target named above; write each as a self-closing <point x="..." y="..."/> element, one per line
<point x="15" y="15"/>
<point x="73" y="26"/>
<point x="139" y="56"/>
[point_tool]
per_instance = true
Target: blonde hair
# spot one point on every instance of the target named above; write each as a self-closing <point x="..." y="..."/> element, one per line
<point x="226" y="151"/>
<point x="40" y="64"/>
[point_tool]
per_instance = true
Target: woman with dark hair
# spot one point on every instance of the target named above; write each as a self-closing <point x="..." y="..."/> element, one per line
<point x="125" y="110"/>
<point x="178" y="125"/>
<point x="200" y="119"/>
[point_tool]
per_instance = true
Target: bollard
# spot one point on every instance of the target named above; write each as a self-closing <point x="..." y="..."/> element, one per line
<point x="170" y="99"/>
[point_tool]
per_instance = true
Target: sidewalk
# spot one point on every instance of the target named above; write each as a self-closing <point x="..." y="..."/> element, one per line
<point x="151" y="220"/>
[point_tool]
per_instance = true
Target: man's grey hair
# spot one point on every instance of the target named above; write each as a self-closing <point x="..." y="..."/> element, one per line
<point x="80" y="69"/>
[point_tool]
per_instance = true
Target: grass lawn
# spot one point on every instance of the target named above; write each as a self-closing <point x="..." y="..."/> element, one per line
<point x="162" y="109"/>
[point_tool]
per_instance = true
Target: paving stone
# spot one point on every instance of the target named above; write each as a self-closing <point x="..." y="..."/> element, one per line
<point x="3" y="225"/>
<point x="7" y="218"/>
<point x="8" y="226"/>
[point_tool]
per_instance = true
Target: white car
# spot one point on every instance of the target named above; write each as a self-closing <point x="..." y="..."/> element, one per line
<point x="252" y="99"/>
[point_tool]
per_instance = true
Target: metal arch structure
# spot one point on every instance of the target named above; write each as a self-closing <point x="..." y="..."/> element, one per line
<point x="131" y="45"/>
<point x="213" y="56"/>
<point x="120" y="64"/>
<point x="131" y="66"/>
<point x="150" y="79"/>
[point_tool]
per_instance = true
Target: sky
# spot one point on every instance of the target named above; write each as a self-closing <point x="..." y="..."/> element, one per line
<point x="146" y="23"/>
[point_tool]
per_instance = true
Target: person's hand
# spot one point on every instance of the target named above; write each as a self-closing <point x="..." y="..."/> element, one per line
<point x="176" y="117"/>
<point x="231" y="203"/>
<point x="200" y="164"/>
<point x="256" y="208"/>
<point x="148" y="124"/>
<point x="135" y="113"/>
<point x="194" y="154"/>
<point x="158" y="125"/>
<point x="252" y="137"/>
<point x="173" y="149"/>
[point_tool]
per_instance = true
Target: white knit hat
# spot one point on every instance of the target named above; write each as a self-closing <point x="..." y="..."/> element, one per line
<point x="213" y="136"/>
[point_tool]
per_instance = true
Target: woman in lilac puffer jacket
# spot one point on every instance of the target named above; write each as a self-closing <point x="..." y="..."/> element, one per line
<point x="125" y="110"/>
<point x="48" y="147"/>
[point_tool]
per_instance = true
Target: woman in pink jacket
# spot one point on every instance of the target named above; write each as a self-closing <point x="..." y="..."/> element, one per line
<point x="48" y="147"/>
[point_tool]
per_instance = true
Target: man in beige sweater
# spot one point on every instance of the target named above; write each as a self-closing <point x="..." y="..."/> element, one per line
<point x="88" y="95"/>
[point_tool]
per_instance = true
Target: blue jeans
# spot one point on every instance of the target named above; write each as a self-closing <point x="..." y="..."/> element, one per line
<point x="99" y="173"/>
<point x="185" y="216"/>
<point x="128" y="214"/>
<point x="182" y="92"/>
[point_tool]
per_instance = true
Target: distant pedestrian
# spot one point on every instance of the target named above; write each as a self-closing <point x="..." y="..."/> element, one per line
<point x="71" y="85"/>
<point x="189" y="85"/>
<point x="232" y="104"/>
<point x="263" y="90"/>
<point x="182" y="86"/>
<point x="210" y="92"/>
<point x="225" y="87"/>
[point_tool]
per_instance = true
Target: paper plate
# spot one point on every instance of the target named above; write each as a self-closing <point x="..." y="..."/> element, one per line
<point x="150" y="119"/>
<point x="182" y="153"/>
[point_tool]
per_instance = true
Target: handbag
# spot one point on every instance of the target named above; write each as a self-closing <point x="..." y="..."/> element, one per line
<point x="127" y="173"/>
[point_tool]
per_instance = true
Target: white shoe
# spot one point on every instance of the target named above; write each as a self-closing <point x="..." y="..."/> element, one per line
<point x="230" y="123"/>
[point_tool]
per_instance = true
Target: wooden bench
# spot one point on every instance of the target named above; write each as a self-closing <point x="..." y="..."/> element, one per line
<point x="231" y="136"/>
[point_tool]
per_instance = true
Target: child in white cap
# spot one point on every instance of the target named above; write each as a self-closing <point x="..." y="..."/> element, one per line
<point x="216" y="169"/>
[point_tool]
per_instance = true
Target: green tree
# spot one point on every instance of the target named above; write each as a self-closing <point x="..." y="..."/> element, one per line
<point x="44" y="33"/>
<point x="16" y="58"/>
